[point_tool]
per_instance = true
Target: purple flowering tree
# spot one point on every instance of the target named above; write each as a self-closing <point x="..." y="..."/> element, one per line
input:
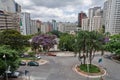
<point x="45" y="41"/>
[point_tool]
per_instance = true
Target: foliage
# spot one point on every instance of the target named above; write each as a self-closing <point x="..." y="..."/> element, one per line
<point x="66" y="42"/>
<point x="114" y="44"/>
<point x="13" y="38"/>
<point x="88" y="43"/>
<point x="55" y="32"/>
<point x="31" y="53"/>
<point x="92" y="68"/>
<point x="11" y="57"/>
<point x="44" y="40"/>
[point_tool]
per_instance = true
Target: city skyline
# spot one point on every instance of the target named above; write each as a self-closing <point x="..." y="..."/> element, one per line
<point x="65" y="10"/>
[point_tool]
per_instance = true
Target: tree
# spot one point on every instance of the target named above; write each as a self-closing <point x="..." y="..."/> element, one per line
<point x="44" y="40"/>
<point x="114" y="45"/>
<point x="81" y="43"/>
<point x="88" y="43"/>
<point x="95" y="43"/>
<point x="13" y="38"/>
<point x="11" y="57"/>
<point x="55" y="32"/>
<point x="66" y="42"/>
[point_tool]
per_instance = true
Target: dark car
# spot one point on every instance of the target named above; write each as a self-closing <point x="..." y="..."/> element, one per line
<point x="33" y="63"/>
<point x="22" y="63"/>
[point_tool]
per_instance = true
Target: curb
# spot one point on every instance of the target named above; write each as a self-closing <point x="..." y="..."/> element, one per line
<point x="115" y="60"/>
<point x="89" y="76"/>
<point x="40" y="63"/>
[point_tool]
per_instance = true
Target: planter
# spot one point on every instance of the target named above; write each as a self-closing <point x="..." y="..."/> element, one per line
<point x="90" y="75"/>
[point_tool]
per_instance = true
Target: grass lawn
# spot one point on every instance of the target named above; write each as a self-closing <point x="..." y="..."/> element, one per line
<point x="92" y="68"/>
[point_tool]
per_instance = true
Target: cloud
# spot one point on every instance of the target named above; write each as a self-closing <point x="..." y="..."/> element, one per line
<point x="61" y="10"/>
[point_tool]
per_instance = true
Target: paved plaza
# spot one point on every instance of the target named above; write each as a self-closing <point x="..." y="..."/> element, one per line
<point x="60" y="68"/>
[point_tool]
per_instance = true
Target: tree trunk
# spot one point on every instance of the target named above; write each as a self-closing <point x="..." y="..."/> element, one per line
<point x="102" y="53"/>
<point x="84" y="58"/>
<point x="90" y="57"/>
<point x="79" y="57"/>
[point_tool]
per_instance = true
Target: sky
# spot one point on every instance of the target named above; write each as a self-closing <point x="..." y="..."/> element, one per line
<point x="60" y="10"/>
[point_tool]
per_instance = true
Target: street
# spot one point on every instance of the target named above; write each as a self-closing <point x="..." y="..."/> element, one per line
<point x="60" y="68"/>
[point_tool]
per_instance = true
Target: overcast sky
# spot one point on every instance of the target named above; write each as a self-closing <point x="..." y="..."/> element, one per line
<point x="60" y="10"/>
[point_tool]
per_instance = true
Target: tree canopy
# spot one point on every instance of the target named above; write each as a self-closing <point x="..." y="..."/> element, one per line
<point x="45" y="40"/>
<point x="88" y="43"/>
<point x="67" y="42"/>
<point x="114" y="44"/>
<point x="13" y="38"/>
<point x="8" y="57"/>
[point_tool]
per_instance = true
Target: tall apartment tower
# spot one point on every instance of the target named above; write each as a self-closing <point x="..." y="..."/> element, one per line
<point x="92" y="13"/>
<point x="25" y="27"/>
<point x="112" y="19"/>
<point x="7" y="6"/>
<point x="81" y="16"/>
<point x="54" y="25"/>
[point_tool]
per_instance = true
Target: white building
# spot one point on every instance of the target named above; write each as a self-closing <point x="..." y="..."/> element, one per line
<point x="92" y="12"/>
<point x="112" y="24"/>
<point x="61" y="27"/>
<point x="34" y="27"/>
<point x="8" y="6"/>
<point x="25" y="27"/>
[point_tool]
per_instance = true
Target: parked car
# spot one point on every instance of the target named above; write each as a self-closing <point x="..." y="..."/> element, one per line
<point x="22" y="63"/>
<point x="51" y="54"/>
<point x="33" y="63"/>
<point x="38" y="57"/>
<point x="14" y="74"/>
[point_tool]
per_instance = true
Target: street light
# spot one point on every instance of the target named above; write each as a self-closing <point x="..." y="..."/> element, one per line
<point x="4" y="56"/>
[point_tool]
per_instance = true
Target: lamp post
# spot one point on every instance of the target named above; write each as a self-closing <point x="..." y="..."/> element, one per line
<point x="4" y="56"/>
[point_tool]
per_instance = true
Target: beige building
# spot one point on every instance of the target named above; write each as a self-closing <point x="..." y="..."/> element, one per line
<point x="35" y="26"/>
<point x="9" y="21"/>
<point x="85" y="24"/>
<point x="97" y="23"/>
<point x="44" y="27"/>
<point x="67" y="27"/>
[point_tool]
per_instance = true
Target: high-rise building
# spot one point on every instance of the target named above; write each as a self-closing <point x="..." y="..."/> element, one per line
<point x="54" y="25"/>
<point x="34" y="27"/>
<point x="9" y="21"/>
<point x="39" y="25"/>
<point x="9" y="17"/>
<point x="25" y="27"/>
<point x="81" y="16"/>
<point x="96" y="23"/>
<point x="92" y="12"/>
<point x="44" y="27"/>
<point x="85" y="24"/>
<point x="61" y="27"/>
<point x="7" y="6"/>
<point x="17" y="8"/>
<point x="112" y="24"/>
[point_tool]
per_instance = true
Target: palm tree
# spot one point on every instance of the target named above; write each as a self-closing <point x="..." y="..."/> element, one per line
<point x="88" y="43"/>
<point x="94" y="43"/>
<point x="81" y="43"/>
